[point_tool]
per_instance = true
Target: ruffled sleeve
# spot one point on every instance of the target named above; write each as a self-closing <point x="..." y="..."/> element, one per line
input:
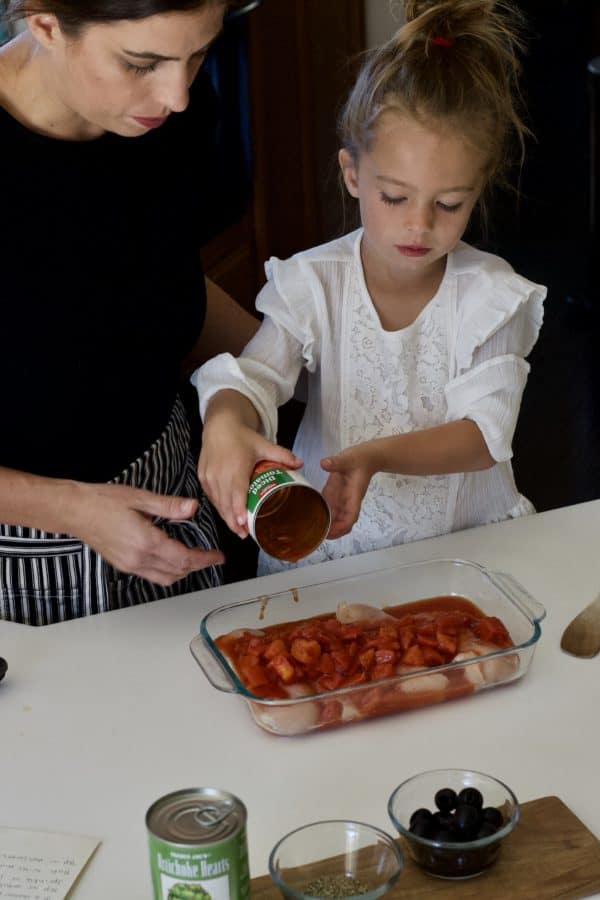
<point x="498" y="319"/>
<point x="268" y="368"/>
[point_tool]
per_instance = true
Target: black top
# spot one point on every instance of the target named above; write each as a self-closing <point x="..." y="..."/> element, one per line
<point x="101" y="288"/>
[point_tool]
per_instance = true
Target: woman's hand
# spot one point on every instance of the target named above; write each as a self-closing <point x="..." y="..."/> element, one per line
<point x="229" y="454"/>
<point x="350" y="474"/>
<point x="116" y="521"/>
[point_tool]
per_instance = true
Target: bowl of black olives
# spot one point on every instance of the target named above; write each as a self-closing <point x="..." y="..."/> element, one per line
<point x="453" y="821"/>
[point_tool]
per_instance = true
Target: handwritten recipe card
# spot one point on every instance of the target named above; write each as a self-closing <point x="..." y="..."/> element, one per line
<point x="41" y="865"/>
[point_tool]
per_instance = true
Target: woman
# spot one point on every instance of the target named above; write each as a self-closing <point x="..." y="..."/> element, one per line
<point x="106" y="127"/>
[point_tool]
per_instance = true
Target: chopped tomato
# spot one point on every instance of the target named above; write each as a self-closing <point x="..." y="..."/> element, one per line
<point x="274" y="649"/>
<point x="283" y="667"/>
<point x="369" y="701"/>
<point x="407" y="637"/>
<point x="449" y="623"/>
<point x="351" y="632"/>
<point x="307" y="652"/>
<point x="433" y="657"/>
<point x="426" y="636"/>
<point x="253" y="673"/>
<point x="367" y="658"/>
<point x="357" y="678"/>
<point x="413" y="656"/>
<point x="388" y="632"/>
<point x="341" y="661"/>
<point x="385" y="670"/>
<point x="326" y="664"/>
<point x="331" y="711"/>
<point x="492" y="631"/>
<point x="329" y="682"/>
<point x="447" y="643"/>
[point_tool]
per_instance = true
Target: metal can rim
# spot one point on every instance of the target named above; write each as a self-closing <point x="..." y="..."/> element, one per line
<point x="237" y="806"/>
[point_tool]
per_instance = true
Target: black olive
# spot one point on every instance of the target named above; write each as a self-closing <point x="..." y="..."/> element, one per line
<point x="467" y="820"/>
<point x="421" y="828"/>
<point x="471" y="796"/>
<point x="420" y="815"/>
<point x="443" y="820"/>
<point x="493" y="816"/>
<point x="442" y="834"/>
<point x="445" y="799"/>
<point x="486" y="830"/>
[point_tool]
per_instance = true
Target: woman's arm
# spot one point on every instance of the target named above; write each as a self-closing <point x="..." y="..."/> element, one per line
<point x="227" y="328"/>
<point x="115" y="520"/>
<point x="452" y="447"/>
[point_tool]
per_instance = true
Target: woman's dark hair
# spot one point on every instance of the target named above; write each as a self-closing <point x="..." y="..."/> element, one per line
<point x="74" y="15"/>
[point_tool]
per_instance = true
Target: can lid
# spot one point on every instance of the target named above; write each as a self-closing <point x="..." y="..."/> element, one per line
<point x="196" y="816"/>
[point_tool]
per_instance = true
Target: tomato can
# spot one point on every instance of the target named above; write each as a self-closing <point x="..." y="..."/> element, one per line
<point x="287" y="517"/>
<point x="198" y="846"/>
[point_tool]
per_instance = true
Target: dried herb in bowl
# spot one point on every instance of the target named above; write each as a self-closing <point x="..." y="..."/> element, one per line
<point x="335" y="886"/>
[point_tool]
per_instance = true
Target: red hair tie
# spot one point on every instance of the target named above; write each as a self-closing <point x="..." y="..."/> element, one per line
<point x="442" y="41"/>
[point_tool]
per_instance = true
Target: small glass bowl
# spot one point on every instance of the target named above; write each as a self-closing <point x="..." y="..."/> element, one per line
<point x="449" y="859"/>
<point x="335" y="855"/>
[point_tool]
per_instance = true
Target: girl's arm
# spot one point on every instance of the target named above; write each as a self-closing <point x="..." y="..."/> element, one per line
<point x="239" y="399"/>
<point x="231" y="447"/>
<point x="452" y="447"/>
<point x="115" y="520"/>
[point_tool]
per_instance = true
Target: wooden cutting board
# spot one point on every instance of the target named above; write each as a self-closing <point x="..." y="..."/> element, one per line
<point x="550" y="854"/>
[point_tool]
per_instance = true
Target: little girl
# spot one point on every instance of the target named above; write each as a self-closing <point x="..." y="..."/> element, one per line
<point x="414" y="342"/>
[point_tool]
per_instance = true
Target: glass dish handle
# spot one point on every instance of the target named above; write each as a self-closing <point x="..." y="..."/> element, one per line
<point x="524" y="600"/>
<point x="212" y="669"/>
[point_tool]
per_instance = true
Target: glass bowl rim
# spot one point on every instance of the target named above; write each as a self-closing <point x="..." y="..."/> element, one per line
<point x="456" y="845"/>
<point x="389" y="841"/>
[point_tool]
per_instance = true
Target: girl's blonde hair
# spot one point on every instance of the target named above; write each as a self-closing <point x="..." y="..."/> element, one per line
<point x="454" y="63"/>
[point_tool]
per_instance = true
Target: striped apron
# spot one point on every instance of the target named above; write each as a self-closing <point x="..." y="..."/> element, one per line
<point x="46" y="578"/>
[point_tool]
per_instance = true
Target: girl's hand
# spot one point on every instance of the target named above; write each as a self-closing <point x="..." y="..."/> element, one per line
<point x="116" y="521"/>
<point x="350" y="473"/>
<point x="229" y="454"/>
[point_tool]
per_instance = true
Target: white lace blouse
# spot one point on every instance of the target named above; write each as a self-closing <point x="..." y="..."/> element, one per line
<point x="462" y="357"/>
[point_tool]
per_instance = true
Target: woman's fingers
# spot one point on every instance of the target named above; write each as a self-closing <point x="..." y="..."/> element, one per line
<point x="162" y="505"/>
<point x="116" y="522"/>
<point x="156" y="571"/>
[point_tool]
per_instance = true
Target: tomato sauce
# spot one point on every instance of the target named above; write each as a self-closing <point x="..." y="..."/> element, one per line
<point x="322" y="654"/>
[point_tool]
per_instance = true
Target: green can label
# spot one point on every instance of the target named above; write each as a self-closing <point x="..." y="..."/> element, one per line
<point x="198" y="846"/>
<point x="265" y="478"/>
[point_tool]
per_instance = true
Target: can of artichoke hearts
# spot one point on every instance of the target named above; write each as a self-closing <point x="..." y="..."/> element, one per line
<point x="287" y="517"/>
<point x="198" y="846"/>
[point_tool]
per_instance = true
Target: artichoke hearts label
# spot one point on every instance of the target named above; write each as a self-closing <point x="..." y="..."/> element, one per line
<point x="216" y="873"/>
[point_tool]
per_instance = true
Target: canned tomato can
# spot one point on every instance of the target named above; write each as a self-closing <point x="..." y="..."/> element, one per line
<point x="198" y="846"/>
<point x="287" y="517"/>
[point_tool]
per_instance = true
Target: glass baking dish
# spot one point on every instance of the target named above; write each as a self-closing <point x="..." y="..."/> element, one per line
<point x="494" y="593"/>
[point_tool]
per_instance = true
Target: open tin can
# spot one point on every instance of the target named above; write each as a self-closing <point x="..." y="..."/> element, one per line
<point x="287" y="517"/>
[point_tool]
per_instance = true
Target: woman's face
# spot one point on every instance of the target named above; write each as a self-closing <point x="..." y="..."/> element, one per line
<point x="128" y="76"/>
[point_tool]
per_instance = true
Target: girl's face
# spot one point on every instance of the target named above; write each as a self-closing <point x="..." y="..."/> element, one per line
<point x="416" y="187"/>
<point x="128" y="76"/>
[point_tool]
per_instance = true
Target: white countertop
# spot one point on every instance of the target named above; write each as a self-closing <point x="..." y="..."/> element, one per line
<point x="102" y="716"/>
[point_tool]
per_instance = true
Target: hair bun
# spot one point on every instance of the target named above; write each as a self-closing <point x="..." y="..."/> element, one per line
<point x="414" y="8"/>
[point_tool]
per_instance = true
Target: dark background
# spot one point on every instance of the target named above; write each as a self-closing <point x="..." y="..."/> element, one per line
<point x="549" y="239"/>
